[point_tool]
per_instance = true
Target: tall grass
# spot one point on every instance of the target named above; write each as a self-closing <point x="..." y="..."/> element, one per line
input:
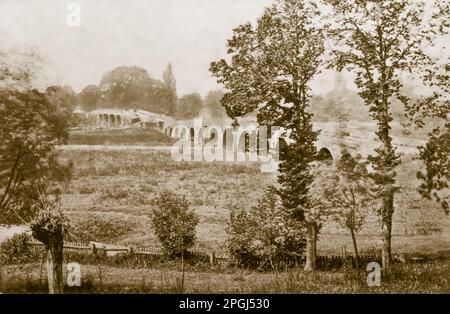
<point x="431" y="277"/>
<point x="131" y="136"/>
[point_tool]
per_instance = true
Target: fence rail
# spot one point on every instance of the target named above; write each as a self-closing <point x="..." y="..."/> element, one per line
<point x="113" y="250"/>
<point x="149" y="254"/>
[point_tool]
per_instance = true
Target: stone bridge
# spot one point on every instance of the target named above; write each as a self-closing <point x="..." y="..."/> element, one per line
<point x="123" y="118"/>
<point x="241" y="137"/>
<point x="328" y="140"/>
<point x="327" y="143"/>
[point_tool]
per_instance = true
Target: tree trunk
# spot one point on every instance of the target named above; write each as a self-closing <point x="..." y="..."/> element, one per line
<point x="386" y="229"/>
<point x="355" y="248"/>
<point x="54" y="266"/>
<point x="311" y="246"/>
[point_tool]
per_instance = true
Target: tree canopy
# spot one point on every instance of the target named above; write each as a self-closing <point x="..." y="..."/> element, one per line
<point x="380" y="41"/>
<point x="189" y="106"/>
<point x="271" y="66"/>
<point x="30" y="127"/>
<point x="132" y="87"/>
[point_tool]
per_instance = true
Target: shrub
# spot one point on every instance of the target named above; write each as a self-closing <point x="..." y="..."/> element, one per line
<point x="266" y="236"/>
<point x="174" y="224"/>
<point x="15" y="250"/>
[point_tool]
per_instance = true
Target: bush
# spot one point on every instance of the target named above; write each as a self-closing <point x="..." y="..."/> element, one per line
<point x="174" y="224"/>
<point x="266" y="236"/>
<point x="15" y="250"/>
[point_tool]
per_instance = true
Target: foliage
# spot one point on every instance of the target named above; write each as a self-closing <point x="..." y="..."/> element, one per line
<point x="30" y="127"/>
<point x="436" y="178"/>
<point x="170" y="91"/>
<point x="213" y="103"/>
<point x="65" y="100"/>
<point x="348" y="192"/>
<point x="15" y="250"/>
<point x="89" y="97"/>
<point x="271" y="67"/>
<point x="435" y="155"/>
<point x="169" y="79"/>
<point x="50" y="223"/>
<point x="132" y="87"/>
<point x="124" y="87"/>
<point x="174" y="224"/>
<point x="379" y="41"/>
<point x="265" y="236"/>
<point x="343" y="188"/>
<point x="189" y="106"/>
<point x="63" y="97"/>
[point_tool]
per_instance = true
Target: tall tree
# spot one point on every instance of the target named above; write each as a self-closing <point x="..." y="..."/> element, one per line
<point x="347" y="191"/>
<point x="379" y="41"/>
<point x="270" y="70"/>
<point x="174" y="223"/>
<point x="30" y="127"/>
<point x="169" y="91"/>
<point x="189" y="105"/>
<point x="63" y="97"/>
<point x="89" y="97"/>
<point x="65" y="100"/>
<point x="435" y="108"/>
<point x="169" y="79"/>
<point x="125" y="87"/>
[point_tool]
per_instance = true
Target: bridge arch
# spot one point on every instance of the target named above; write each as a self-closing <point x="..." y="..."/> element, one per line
<point x="112" y="119"/>
<point x="192" y="134"/>
<point x="106" y="118"/>
<point x="324" y="154"/>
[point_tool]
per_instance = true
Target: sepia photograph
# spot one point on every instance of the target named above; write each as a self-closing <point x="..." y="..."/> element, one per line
<point x="218" y="147"/>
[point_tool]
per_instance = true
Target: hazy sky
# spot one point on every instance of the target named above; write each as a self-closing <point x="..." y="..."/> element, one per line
<point x="146" y="33"/>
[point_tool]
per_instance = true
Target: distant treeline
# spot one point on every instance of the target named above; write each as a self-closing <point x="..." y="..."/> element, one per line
<point x="132" y="87"/>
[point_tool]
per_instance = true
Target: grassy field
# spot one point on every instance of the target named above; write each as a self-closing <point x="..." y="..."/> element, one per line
<point x="132" y="136"/>
<point x="432" y="277"/>
<point x="112" y="194"/>
<point x="114" y="184"/>
<point x="116" y="190"/>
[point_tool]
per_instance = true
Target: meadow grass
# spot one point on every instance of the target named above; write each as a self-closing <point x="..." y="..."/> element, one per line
<point x="431" y="277"/>
<point x="107" y="183"/>
<point x="128" y="182"/>
<point x="131" y="136"/>
<point x="112" y="196"/>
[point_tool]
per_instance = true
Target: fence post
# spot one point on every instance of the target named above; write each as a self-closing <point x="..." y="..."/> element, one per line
<point x="94" y="249"/>
<point x="212" y="258"/>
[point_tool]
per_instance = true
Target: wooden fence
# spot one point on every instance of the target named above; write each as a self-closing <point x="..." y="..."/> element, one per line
<point x="97" y="248"/>
<point x="146" y="254"/>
